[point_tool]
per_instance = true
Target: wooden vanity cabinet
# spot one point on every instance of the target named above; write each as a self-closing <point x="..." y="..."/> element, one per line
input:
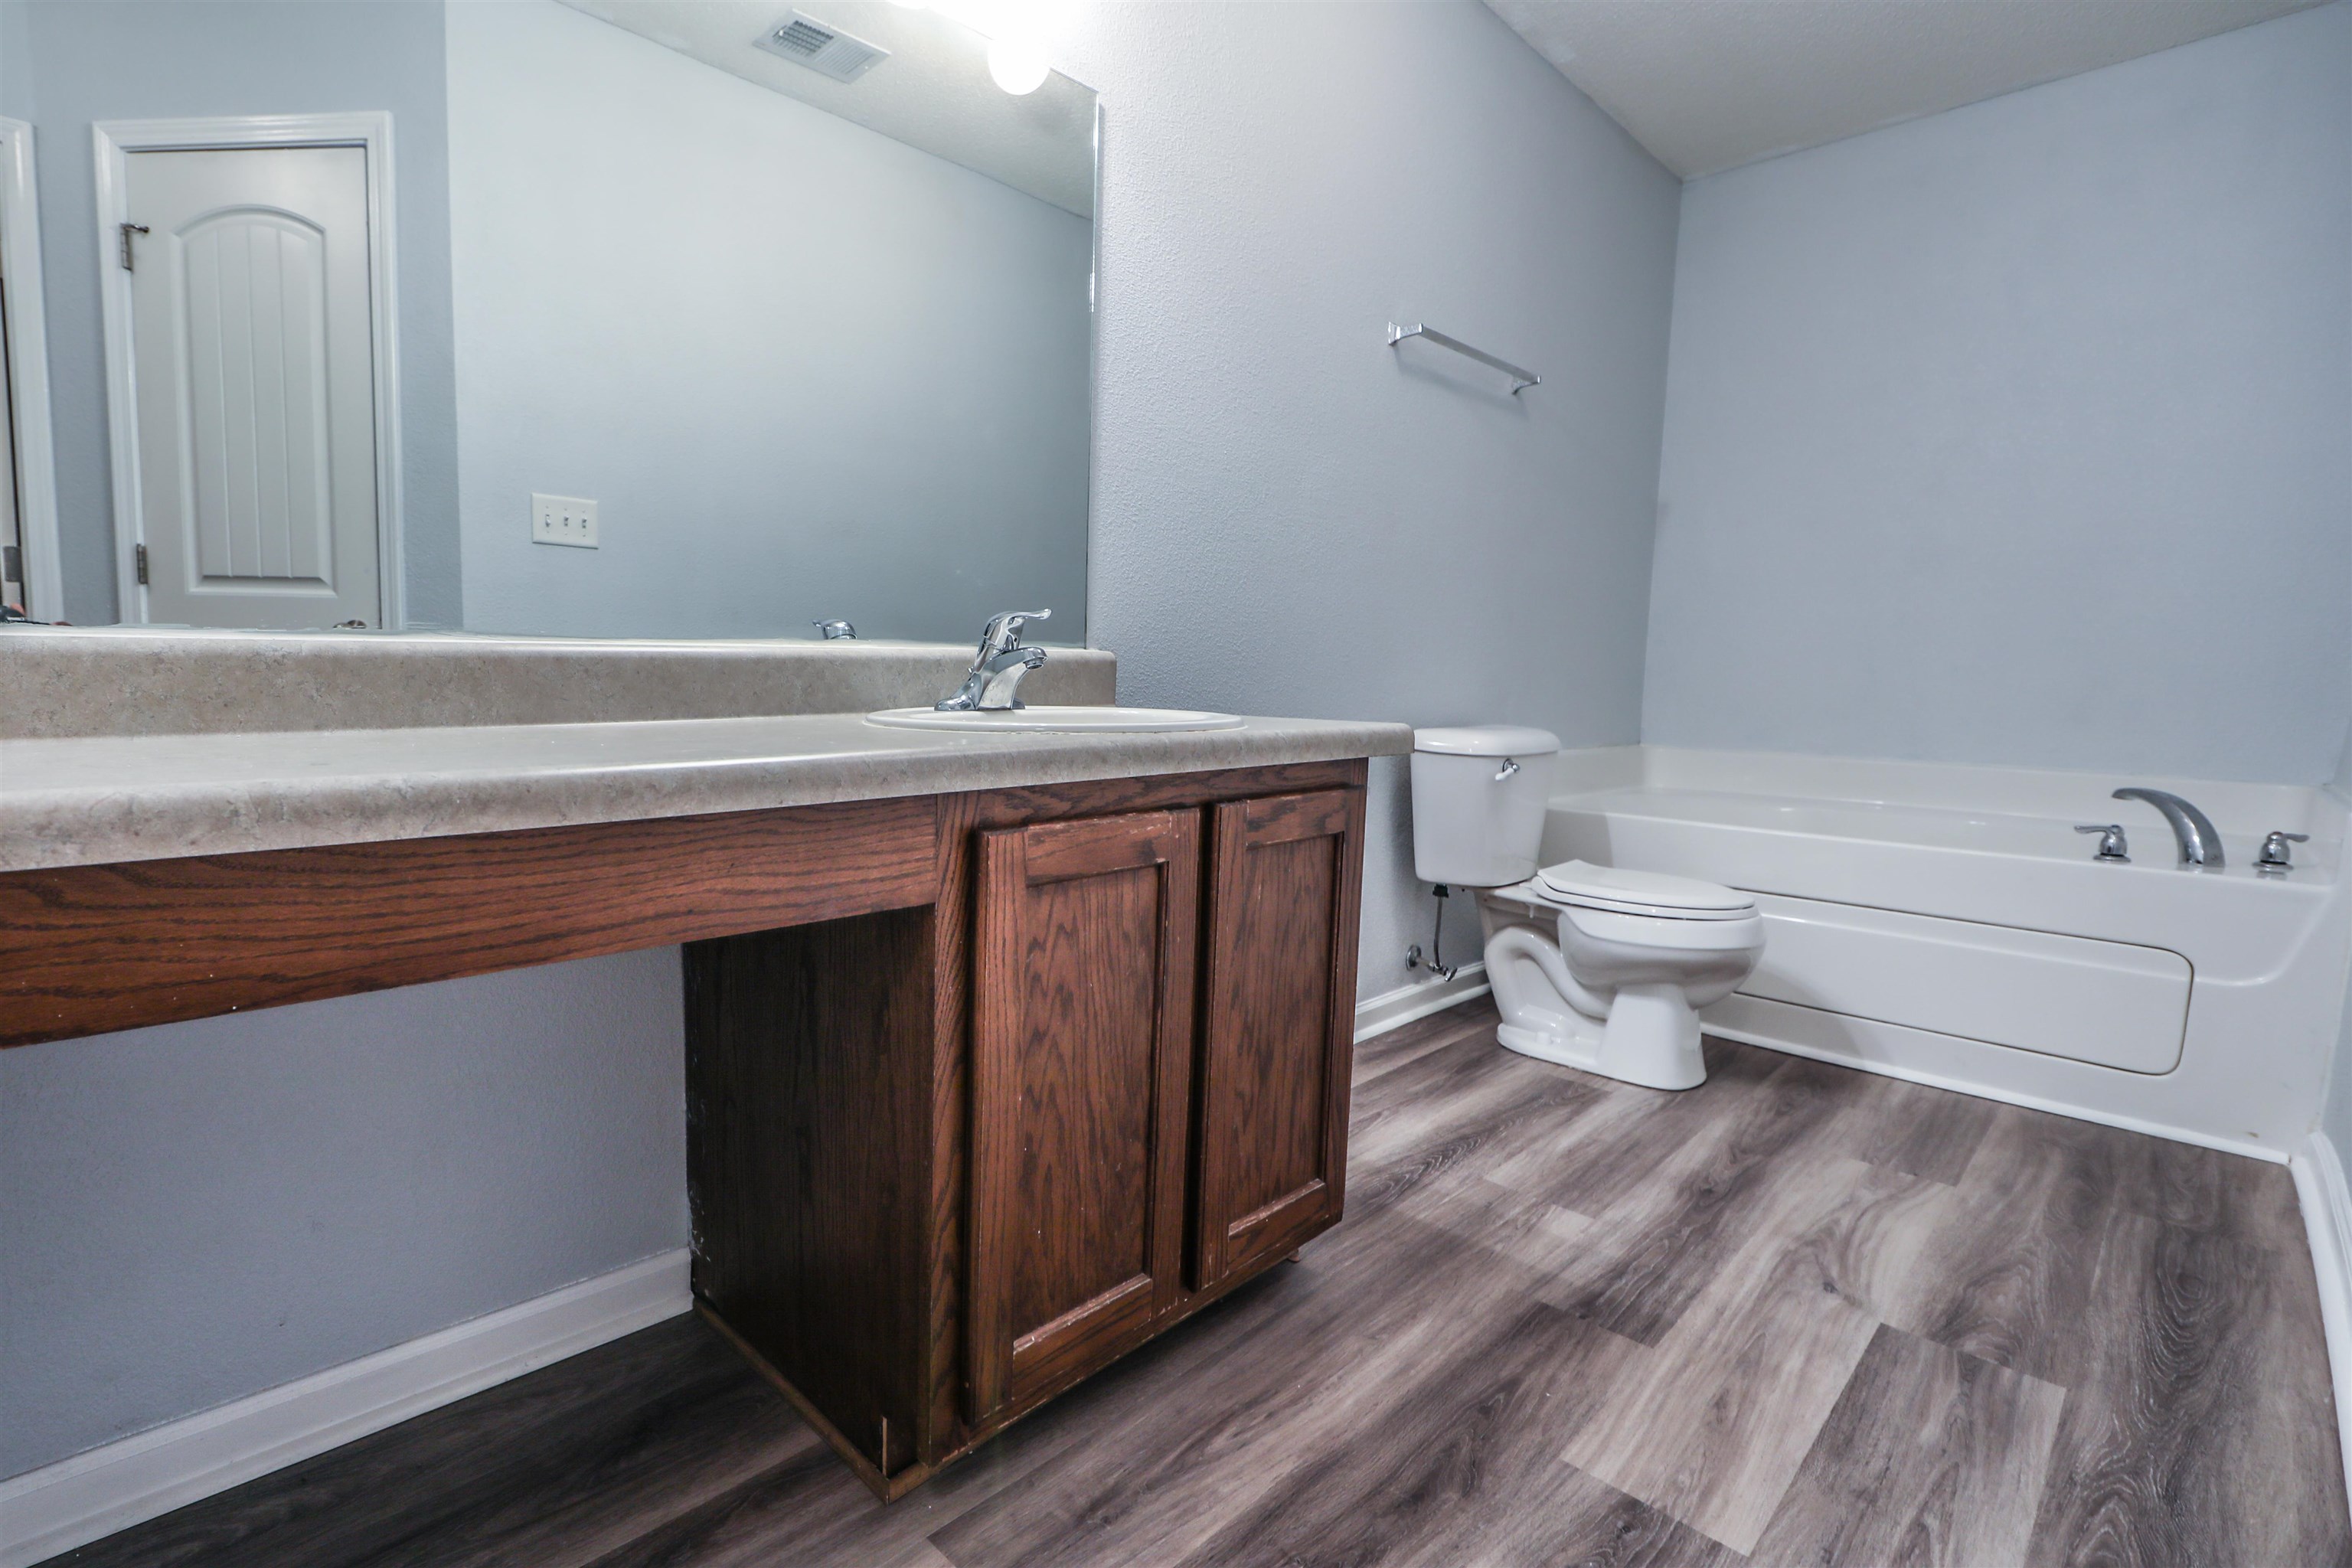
<point x="982" y="1089"/>
<point x="947" y="1162"/>
<point x="1278" y="1027"/>
<point x="1081" y="1093"/>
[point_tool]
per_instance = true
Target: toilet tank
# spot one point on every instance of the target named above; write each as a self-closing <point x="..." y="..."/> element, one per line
<point x="1476" y="817"/>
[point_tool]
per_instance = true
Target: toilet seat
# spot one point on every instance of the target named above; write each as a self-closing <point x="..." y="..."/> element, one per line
<point x="1644" y="895"/>
<point x="1662" y="932"/>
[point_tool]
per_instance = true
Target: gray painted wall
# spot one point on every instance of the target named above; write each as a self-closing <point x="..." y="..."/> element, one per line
<point x="64" y="63"/>
<point x="1289" y="516"/>
<point x="2017" y="434"/>
<point x="804" y="370"/>
<point x="192" y="1214"/>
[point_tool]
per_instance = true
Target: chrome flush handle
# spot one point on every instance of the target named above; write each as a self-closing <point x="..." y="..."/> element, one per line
<point x="1510" y="765"/>
<point x="2111" y="846"/>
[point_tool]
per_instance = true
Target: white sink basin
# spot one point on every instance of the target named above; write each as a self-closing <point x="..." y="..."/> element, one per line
<point x="1093" y="721"/>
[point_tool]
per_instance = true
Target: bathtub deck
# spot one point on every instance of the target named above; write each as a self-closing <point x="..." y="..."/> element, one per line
<point x="1799" y="1315"/>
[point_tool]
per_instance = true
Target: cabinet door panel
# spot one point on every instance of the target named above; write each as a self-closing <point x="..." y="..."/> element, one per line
<point x="1285" y="880"/>
<point x="1081" y="1080"/>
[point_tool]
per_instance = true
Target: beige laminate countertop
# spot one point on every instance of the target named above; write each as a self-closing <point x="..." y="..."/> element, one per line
<point x="101" y="799"/>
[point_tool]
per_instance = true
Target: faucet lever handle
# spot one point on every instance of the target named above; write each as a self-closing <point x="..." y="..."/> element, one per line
<point x="2275" y="855"/>
<point x="2112" y="845"/>
<point x="1004" y="631"/>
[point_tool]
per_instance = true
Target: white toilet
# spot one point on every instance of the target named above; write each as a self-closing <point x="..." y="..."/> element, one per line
<point x="1593" y="966"/>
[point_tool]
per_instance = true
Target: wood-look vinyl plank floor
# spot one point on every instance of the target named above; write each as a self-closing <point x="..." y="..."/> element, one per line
<point x="2004" y="1269"/>
<point x="1685" y="1210"/>
<point x="2194" y="1409"/>
<point x="1710" y="1424"/>
<point x="1798" y="1315"/>
<point x="1917" y="1129"/>
<point x="1931" y="1459"/>
<point x="1462" y="1467"/>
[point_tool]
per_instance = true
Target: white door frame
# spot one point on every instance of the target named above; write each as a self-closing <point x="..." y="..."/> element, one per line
<point x="28" y="373"/>
<point x="112" y="140"/>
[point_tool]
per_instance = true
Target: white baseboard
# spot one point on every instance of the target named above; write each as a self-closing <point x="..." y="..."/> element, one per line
<point x="94" y="1494"/>
<point x="1393" y="1009"/>
<point x="2327" y="1223"/>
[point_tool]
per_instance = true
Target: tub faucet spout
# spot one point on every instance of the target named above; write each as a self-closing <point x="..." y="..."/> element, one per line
<point x="2201" y="842"/>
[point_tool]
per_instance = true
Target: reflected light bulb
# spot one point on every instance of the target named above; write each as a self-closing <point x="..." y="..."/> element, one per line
<point x="1019" y="68"/>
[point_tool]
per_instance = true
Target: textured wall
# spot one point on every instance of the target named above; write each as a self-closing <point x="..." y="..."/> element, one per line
<point x="1289" y="516"/>
<point x="804" y="370"/>
<point x="68" y="63"/>
<point x="2017" y="434"/>
<point x="195" y="1213"/>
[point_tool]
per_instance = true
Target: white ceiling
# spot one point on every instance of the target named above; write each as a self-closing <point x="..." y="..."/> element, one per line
<point x="933" y="92"/>
<point x="1708" y="85"/>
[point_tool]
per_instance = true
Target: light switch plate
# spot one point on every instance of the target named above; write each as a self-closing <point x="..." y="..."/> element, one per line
<point x="563" y="520"/>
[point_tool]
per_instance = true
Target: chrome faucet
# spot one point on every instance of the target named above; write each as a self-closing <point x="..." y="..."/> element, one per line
<point x="992" y="685"/>
<point x="2201" y="842"/>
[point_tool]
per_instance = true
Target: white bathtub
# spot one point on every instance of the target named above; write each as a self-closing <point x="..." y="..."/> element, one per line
<point x="1947" y="924"/>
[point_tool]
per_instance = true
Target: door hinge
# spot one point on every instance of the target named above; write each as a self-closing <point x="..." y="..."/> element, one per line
<point x="128" y="230"/>
<point x="139" y="561"/>
<point x="12" y="563"/>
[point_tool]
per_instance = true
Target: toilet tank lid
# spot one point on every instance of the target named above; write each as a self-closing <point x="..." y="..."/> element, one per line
<point x="1488" y="741"/>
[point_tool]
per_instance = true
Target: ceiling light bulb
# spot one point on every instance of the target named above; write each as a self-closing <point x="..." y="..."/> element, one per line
<point x="1019" y="68"/>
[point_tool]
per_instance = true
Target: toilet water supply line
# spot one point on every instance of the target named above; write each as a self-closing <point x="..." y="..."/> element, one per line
<point x="1435" y="964"/>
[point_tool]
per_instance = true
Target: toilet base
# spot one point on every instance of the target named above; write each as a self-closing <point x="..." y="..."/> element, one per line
<point x="1639" y="1033"/>
<point x="1651" y="1039"/>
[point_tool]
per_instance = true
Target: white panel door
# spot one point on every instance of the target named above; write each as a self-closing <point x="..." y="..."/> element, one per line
<point x="254" y="387"/>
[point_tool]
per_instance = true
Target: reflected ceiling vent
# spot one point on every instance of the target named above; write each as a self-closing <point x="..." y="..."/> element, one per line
<point x="828" y="51"/>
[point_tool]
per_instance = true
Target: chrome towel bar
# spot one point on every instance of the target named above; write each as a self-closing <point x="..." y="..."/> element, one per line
<point x="1524" y="378"/>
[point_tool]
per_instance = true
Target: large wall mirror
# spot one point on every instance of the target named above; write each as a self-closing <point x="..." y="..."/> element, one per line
<point x="585" y="318"/>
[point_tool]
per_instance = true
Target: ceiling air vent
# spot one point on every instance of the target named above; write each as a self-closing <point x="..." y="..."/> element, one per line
<point x="827" y="50"/>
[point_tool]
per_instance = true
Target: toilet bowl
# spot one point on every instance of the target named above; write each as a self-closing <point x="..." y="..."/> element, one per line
<point x="1605" y="969"/>
<point x="1597" y="967"/>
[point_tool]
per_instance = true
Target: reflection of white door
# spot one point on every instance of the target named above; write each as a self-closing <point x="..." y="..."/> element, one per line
<point x="12" y="553"/>
<point x="28" y="518"/>
<point x="253" y="385"/>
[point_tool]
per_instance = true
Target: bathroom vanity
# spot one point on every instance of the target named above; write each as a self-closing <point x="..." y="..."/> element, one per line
<point x="1005" y="1052"/>
<point x="1078" y="1068"/>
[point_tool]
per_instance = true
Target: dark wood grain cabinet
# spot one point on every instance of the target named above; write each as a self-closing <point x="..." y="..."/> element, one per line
<point x="948" y="1161"/>
<point x="1081" y="1093"/>
<point x="1279" y="1020"/>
